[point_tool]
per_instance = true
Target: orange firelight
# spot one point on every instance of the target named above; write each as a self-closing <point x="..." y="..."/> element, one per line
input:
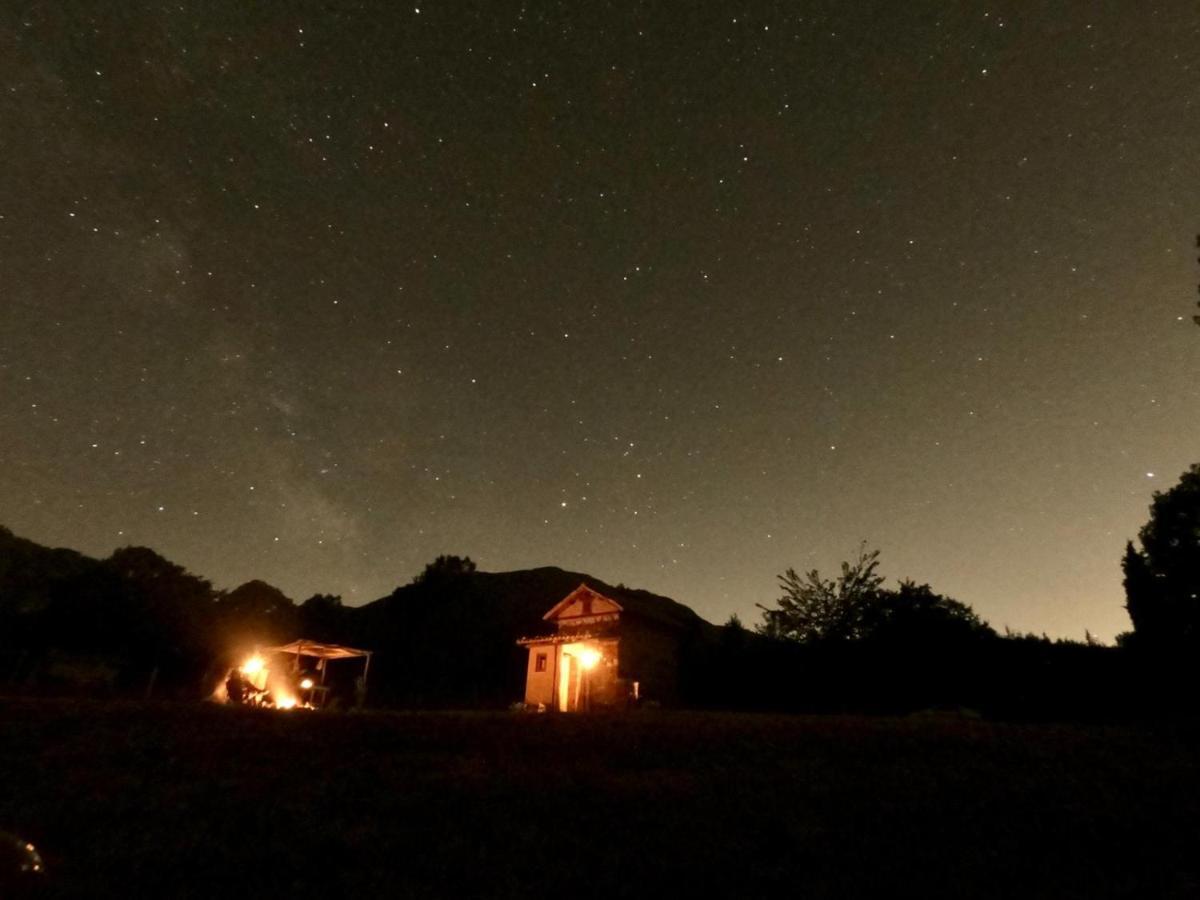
<point x="306" y="684"/>
<point x="252" y="666"/>
<point x="589" y="657"/>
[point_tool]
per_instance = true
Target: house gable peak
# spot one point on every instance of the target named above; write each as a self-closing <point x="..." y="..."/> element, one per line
<point x="583" y="603"/>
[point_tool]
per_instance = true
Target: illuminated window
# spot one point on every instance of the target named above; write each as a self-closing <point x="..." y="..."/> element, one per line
<point x="539" y="664"/>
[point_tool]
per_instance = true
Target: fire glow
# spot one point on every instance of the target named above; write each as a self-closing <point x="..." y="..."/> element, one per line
<point x="271" y="689"/>
<point x="296" y="676"/>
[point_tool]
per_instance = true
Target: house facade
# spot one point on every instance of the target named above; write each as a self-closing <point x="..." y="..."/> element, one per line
<point x="602" y="654"/>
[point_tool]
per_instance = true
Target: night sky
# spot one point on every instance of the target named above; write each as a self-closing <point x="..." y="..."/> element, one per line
<point x="678" y="295"/>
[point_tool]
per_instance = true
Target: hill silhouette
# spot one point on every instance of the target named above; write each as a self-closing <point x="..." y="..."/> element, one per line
<point x="137" y="624"/>
<point x="452" y="642"/>
<point x="136" y="619"/>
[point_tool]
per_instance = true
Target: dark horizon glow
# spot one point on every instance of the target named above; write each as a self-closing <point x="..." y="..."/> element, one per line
<point x="676" y="297"/>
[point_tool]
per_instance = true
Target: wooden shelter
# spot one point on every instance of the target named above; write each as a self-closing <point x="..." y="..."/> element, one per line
<point x="605" y="653"/>
<point x="317" y="694"/>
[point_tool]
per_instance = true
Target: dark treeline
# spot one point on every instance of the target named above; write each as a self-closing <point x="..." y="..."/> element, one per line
<point x="1024" y="677"/>
<point x="849" y="644"/>
<point x="132" y="622"/>
<point x="137" y="624"/>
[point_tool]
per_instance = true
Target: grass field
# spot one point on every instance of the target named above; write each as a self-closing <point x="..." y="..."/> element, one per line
<point x="128" y="800"/>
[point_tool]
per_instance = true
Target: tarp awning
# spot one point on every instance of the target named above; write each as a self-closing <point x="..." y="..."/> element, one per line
<point x="318" y="650"/>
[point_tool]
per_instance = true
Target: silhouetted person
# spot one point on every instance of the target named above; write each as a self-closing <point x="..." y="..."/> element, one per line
<point x="235" y="687"/>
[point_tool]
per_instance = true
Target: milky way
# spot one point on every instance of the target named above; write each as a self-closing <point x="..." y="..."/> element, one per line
<point x="676" y="294"/>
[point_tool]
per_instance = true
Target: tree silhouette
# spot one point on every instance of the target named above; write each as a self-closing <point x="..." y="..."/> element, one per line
<point x="915" y="614"/>
<point x="254" y="613"/>
<point x="1162" y="579"/>
<point x="445" y="568"/>
<point x="856" y="606"/>
<point x="170" y="610"/>
<point x="813" y="608"/>
<point x="323" y="617"/>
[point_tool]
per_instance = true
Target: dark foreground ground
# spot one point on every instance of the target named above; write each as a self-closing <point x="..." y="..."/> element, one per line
<point x="201" y="801"/>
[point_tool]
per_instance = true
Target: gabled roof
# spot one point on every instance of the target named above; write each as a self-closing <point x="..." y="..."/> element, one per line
<point x="593" y="603"/>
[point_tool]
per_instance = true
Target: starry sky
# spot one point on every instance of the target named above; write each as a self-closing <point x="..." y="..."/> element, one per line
<point x="677" y="294"/>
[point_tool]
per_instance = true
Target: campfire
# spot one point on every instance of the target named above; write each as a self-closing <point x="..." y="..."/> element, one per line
<point x="298" y="676"/>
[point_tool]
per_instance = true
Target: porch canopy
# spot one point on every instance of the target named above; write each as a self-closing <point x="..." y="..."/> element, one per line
<point x="325" y="652"/>
<point x="318" y="650"/>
